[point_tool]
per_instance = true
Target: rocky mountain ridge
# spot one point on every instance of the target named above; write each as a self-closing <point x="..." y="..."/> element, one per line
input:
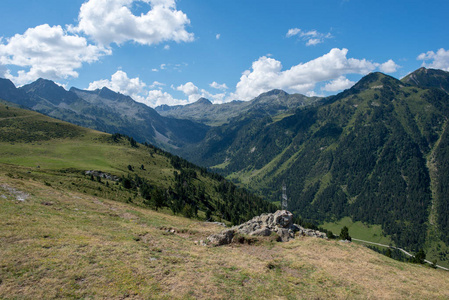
<point x="104" y="110"/>
<point x="273" y="103"/>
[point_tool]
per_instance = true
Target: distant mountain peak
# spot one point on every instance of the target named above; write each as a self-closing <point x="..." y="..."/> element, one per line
<point x="43" y="86"/>
<point x="374" y="80"/>
<point x="274" y="92"/>
<point x="428" y="78"/>
<point x="203" y="101"/>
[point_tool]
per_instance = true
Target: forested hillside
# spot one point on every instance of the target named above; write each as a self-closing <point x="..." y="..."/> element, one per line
<point x="364" y="153"/>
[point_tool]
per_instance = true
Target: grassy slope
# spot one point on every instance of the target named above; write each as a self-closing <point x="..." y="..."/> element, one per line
<point x="371" y="233"/>
<point x="64" y="244"/>
<point x="36" y="147"/>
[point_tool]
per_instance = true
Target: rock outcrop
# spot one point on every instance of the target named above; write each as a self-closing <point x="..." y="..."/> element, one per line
<point x="279" y="223"/>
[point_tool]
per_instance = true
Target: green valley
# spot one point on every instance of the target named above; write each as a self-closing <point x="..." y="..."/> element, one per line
<point x="376" y="153"/>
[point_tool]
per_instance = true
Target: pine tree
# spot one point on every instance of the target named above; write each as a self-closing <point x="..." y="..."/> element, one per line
<point x="344" y="234"/>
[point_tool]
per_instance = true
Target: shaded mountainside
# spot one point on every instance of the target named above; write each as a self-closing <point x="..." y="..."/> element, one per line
<point x="66" y="156"/>
<point x="273" y="103"/>
<point x="428" y="78"/>
<point x="104" y="110"/>
<point x="364" y="153"/>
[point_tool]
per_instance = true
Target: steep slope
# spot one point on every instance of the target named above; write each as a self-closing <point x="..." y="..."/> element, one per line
<point x="273" y="103"/>
<point x="144" y="121"/>
<point x="36" y="147"/>
<point x="428" y="78"/>
<point x="104" y="110"/>
<point x="57" y="243"/>
<point x="363" y="154"/>
<point x="9" y="91"/>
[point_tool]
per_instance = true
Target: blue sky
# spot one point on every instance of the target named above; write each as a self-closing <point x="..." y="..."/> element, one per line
<point x="173" y="52"/>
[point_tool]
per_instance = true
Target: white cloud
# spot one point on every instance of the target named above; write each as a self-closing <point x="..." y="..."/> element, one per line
<point x="120" y="82"/>
<point x="218" y="86"/>
<point x="217" y="36"/>
<point x="215" y="98"/>
<point x="388" y="67"/>
<point x="3" y="71"/>
<point x="138" y="90"/>
<point x="439" y="60"/>
<point x="267" y="74"/>
<point x="156" y="84"/>
<point x="313" y="42"/>
<point x="167" y="47"/>
<point x="111" y="21"/>
<point x="47" y="52"/>
<point x="194" y="93"/>
<point x="162" y="67"/>
<point x="341" y="83"/>
<point x="311" y="37"/>
<point x="292" y="32"/>
<point x="157" y="97"/>
<point x="190" y="90"/>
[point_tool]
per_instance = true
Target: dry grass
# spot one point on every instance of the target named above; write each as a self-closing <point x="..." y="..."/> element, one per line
<point x="62" y="244"/>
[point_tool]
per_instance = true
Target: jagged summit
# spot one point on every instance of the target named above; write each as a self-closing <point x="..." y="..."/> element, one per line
<point x="49" y="90"/>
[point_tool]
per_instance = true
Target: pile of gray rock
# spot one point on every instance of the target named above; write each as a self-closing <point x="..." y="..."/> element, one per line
<point x="102" y="175"/>
<point x="279" y="223"/>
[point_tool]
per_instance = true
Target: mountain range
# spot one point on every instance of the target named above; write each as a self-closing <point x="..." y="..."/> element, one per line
<point x="376" y="153"/>
<point x="104" y="110"/>
<point x="274" y="102"/>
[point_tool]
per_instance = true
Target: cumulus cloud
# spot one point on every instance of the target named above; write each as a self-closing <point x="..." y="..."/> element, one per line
<point x="341" y="83"/>
<point x="157" y="97"/>
<point x="189" y="88"/>
<point x="194" y="93"/>
<point x="218" y="86"/>
<point x="267" y="74"/>
<point x="120" y="82"/>
<point x="3" y="71"/>
<point x="388" y="67"/>
<point x="112" y="21"/>
<point x="151" y="95"/>
<point x="438" y="60"/>
<point x="48" y="52"/>
<point x="311" y="37"/>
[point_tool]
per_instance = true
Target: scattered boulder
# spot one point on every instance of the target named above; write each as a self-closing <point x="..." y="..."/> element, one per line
<point x="280" y="223"/>
<point x="312" y="233"/>
<point x="223" y="238"/>
<point x="102" y="175"/>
